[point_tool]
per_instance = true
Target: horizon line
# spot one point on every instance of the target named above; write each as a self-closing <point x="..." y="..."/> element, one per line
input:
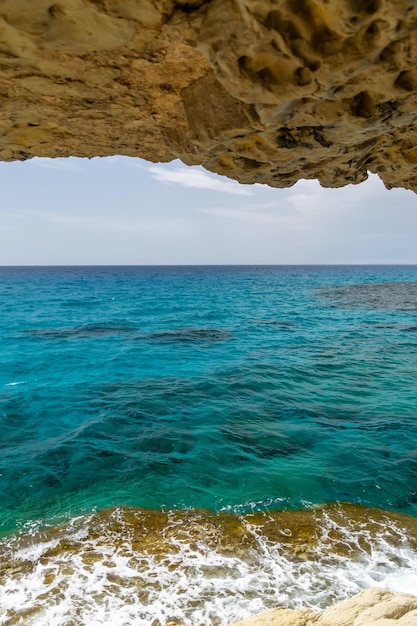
<point x="112" y="265"/>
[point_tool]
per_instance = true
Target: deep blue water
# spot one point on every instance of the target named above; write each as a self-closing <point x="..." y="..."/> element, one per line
<point x="217" y="387"/>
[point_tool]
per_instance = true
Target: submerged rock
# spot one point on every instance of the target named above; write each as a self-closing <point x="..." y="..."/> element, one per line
<point x="198" y="567"/>
<point x="260" y="91"/>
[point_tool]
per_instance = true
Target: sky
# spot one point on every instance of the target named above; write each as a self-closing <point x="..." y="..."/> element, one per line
<point x="126" y="211"/>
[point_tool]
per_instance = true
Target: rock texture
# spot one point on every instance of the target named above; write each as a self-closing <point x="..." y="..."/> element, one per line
<point x="373" y="607"/>
<point x="265" y="91"/>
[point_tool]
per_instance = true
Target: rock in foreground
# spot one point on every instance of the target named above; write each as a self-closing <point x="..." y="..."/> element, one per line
<point x="266" y="91"/>
<point x="373" y="607"/>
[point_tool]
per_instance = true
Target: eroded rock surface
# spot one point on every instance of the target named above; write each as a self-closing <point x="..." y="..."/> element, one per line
<point x="265" y="91"/>
<point x="373" y="607"/>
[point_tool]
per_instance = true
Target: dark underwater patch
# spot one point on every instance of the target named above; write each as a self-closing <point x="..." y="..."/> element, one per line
<point x="286" y="324"/>
<point x="188" y="335"/>
<point x="81" y="332"/>
<point x="403" y="327"/>
<point x="389" y="296"/>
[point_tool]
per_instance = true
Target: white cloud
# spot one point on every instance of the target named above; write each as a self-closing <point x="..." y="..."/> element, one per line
<point x="64" y="218"/>
<point x="309" y="196"/>
<point x="12" y="216"/>
<point x="65" y="165"/>
<point x="261" y="214"/>
<point x="197" y="179"/>
<point x="114" y="223"/>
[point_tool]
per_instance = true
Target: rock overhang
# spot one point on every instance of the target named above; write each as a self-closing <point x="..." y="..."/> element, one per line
<point x="262" y="91"/>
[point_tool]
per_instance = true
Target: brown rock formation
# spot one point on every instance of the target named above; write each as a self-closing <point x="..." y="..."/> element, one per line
<point x="373" y="607"/>
<point x="263" y="91"/>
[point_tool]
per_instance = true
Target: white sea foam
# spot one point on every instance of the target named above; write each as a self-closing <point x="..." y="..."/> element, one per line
<point x="81" y="578"/>
<point x="14" y="384"/>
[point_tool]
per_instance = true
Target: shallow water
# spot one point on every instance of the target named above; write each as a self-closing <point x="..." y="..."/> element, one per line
<point x="133" y="566"/>
<point x="233" y="389"/>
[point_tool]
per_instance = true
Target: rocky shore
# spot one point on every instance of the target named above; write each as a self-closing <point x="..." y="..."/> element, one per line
<point x="372" y="607"/>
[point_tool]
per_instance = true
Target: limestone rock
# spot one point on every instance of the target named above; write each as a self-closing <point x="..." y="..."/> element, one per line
<point x="372" y="607"/>
<point x="266" y="91"/>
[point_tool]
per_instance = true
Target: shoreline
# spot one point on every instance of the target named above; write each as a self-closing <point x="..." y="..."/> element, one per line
<point x="143" y="566"/>
<point x="372" y="607"/>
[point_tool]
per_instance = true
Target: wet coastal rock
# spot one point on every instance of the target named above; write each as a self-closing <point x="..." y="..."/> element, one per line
<point x="372" y="607"/>
<point x="266" y="91"/>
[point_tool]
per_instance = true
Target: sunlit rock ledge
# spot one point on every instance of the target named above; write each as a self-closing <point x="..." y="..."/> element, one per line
<point x="373" y="607"/>
<point x="266" y="91"/>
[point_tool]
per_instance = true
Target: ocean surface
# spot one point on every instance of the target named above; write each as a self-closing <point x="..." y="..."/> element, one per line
<point x="202" y="443"/>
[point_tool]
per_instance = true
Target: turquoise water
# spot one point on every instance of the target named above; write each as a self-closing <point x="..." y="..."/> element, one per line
<point x="229" y="388"/>
<point x="175" y="390"/>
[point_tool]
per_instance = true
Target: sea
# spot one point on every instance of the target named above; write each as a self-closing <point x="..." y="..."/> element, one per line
<point x="198" y="444"/>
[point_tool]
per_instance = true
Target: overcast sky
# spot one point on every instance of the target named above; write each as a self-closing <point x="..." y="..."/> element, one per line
<point x="120" y="210"/>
